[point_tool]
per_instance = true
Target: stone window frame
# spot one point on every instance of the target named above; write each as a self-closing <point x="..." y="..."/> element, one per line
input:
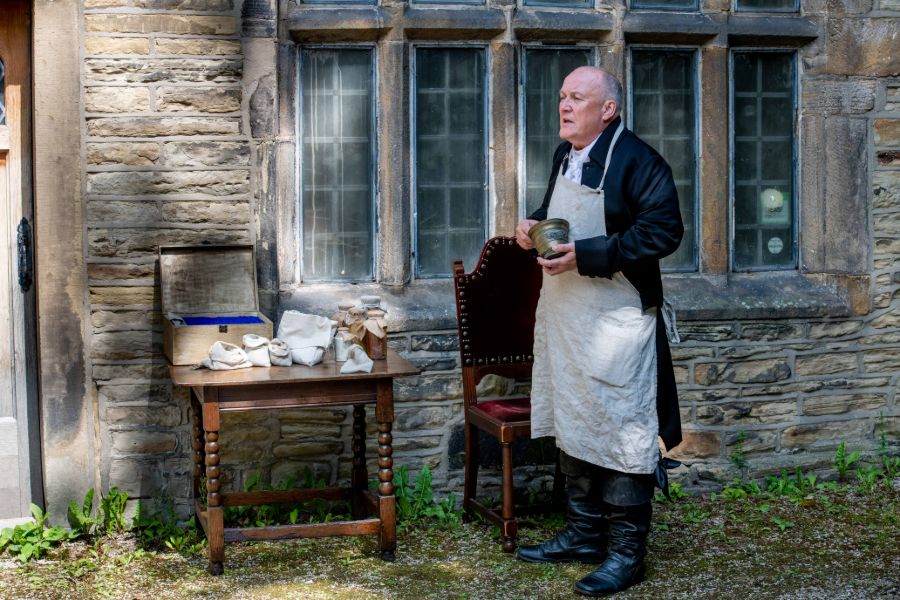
<point x="713" y="291"/>
<point x="663" y="7"/>
<point x="736" y="8"/>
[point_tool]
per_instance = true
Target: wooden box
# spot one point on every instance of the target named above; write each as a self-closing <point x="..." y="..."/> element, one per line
<point x="210" y="294"/>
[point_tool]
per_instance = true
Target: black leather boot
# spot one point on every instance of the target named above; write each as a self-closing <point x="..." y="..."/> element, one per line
<point x="584" y="537"/>
<point x="624" y="567"/>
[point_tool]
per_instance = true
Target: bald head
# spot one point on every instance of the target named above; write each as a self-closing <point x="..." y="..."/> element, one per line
<point x="590" y="98"/>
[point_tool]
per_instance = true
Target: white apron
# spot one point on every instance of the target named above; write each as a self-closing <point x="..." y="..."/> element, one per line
<point x="594" y="377"/>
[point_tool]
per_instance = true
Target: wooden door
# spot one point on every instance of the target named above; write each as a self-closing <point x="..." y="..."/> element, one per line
<point x="19" y="441"/>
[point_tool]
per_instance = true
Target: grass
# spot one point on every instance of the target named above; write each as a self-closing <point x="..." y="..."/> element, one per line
<point x="834" y="542"/>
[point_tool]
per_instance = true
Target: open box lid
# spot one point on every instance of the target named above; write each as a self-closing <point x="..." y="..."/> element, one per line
<point x="208" y="279"/>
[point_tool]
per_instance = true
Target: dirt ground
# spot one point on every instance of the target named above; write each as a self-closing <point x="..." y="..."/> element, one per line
<point x="829" y="545"/>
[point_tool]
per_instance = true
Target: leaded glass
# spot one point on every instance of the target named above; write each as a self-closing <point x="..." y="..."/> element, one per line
<point x="336" y="164"/>
<point x="576" y="3"/>
<point x="763" y="103"/>
<point x="767" y="5"/>
<point x="545" y="70"/>
<point x="2" y="94"/>
<point x="664" y="114"/>
<point x="666" y="4"/>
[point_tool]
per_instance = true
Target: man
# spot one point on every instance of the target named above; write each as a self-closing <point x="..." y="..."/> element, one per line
<point x="603" y="382"/>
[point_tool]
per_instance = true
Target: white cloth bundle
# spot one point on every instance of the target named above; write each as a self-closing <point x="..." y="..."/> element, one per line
<point x="357" y="361"/>
<point x="224" y="357"/>
<point x="257" y="349"/>
<point x="306" y="335"/>
<point x="279" y="353"/>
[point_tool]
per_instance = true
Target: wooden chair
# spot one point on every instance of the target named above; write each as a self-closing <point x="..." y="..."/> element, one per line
<point x="495" y="308"/>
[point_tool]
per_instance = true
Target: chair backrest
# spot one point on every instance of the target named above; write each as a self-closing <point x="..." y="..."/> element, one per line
<point x="495" y="306"/>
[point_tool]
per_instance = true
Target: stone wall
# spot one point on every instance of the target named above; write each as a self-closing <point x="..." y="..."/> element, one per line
<point x="182" y="133"/>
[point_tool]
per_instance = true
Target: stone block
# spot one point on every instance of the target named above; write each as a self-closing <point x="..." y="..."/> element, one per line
<point x="709" y="414"/>
<point x="885" y="360"/>
<point x="121" y="272"/>
<point x="137" y="243"/>
<point x="105" y="3"/>
<point x="837" y="405"/>
<point x="208" y="100"/>
<point x="824" y="434"/>
<point x="158" y="393"/>
<point x="245" y="434"/>
<point x="416" y="442"/>
<point x="707" y="373"/>
<point x="162" y="126"/>
<point x="826" y="364"/>
<point x="697" y="444"/>
<point x="206" y="154"/>
<point x="887" y="224"/>
<point x="846" y="195"/>
<point x="198" y="5"/>
<point x="887" y="133"/>
<point x="94" y="44"/>
<point x="315" y="415"/>
<point x="890" y="426"/>
<point x="739" y="413"/>
<point x="697" y="332"/>
<point x="888" y="158"/>
<point x="161" y="23"/>
<point x="682" y="374"/>
<point x="685" y="353"/>
<point x="421" y="418"/>
<point x="125" y="345"/>
<point x="125" y="320"/>
<point x="834" y="329"/>
<point x="162" y="70"/>
<point x="129" y="373"/>
<point x="751" y="371"/>
<point x="434" y="363"/>
<point x="158" y="415"/>
<point x="136" y="213"/>
<point x="830" y="97"/>
<point x="197" y="47"/>
<point x="297" y="471"/>
<point x="754" y="442"/>
<point x="123" y="153"/>
<point x="262" y="107"/>
<point x="116" y="99"/>
<point x="143" y="442"/>
<point x="428" y="387"/>
<point x="862" y="47"/>
<point x="442" y="342"/>
<point x="771" y="331"/>
<point x="138" y="479"/>
<point x="305" y="431"/>
<point x="214" y="183"/>
<point x="889" y="319"/>
<point x="122" y="295"/>
<point x="494" y="385"/>
<point x="308" y="449"/>
<point x="193" y="211"/>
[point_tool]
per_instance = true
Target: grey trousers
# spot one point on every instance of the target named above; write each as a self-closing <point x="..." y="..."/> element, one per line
<point x="613" y="487"/>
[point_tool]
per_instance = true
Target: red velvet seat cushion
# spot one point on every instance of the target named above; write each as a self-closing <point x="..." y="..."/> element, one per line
<point x="515" y="409"/>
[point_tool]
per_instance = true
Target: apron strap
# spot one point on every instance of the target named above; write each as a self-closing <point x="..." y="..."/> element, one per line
<point x="612" y="146"/>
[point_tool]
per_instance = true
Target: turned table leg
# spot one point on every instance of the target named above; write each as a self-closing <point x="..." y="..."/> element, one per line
<point x="197" y="450"/>
<point x="359" y="477"/>
<point x="214" y="509"/>
<point x="387" y="507"/>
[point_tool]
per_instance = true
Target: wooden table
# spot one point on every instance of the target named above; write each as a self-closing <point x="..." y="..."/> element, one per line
<point x="297" y="386"/>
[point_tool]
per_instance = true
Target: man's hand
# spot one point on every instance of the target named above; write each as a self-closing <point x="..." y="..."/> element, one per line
<point x="564" y="263"/>
<point x="522" y="233"/>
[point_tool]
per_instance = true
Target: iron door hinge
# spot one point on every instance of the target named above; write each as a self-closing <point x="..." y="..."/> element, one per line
<point x="26" y="261"/>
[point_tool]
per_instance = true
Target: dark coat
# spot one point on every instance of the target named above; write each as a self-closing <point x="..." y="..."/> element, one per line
<point x="643" y="225"/>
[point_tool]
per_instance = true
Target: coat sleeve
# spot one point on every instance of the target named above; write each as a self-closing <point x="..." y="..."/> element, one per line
<point x="656" y="230"/>
<point x="541" y="213"/>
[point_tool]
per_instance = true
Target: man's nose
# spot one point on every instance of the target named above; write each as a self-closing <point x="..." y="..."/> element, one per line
<point x="565" y="105"/>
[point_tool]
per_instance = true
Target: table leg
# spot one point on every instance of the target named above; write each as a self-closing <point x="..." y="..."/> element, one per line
<point x="387" y="507"/>
<point x="214" y="509"/>
<point x="197" y="446"/>
<point x="359" y="477"/>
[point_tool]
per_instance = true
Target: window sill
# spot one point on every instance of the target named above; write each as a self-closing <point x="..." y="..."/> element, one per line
<point x="428" y="305"/>
<point x="769" y="295"/>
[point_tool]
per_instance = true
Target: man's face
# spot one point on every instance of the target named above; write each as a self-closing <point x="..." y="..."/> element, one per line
<point x="581" y="108"/>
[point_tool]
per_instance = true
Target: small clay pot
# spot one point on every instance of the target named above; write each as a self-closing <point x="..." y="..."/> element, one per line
<point x="545" y="234"/>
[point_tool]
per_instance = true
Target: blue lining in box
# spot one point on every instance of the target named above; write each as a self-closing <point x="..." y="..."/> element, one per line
<point x="239" y="320"/>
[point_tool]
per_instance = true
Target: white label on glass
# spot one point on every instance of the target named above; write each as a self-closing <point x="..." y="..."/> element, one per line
<point x="775" y="245"/>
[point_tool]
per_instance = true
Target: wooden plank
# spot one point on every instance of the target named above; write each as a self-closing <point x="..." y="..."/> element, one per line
<point x="486" y="512"/>
<point x="308" y="530"/>
<point x="304" y="402"/>
<point x="202" y="517"/>
<point x="283" y="497"/>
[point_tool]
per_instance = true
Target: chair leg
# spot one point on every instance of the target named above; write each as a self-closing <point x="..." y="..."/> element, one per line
<point x="470" y="477"/>
<point x="559" y="483"/>
<point x="510" y="526"/>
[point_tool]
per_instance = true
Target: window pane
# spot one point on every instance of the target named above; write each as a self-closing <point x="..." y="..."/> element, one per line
<point x="666" y="4"/>
<point x="663" y="105"/>
<point x="544" y="74"/>
<point x="450" y="150"/>
<point x="767" y="5"/>
<point x="336" y="164"/>
<point x="2" y="94"/>
<point x="763" y="132"/>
